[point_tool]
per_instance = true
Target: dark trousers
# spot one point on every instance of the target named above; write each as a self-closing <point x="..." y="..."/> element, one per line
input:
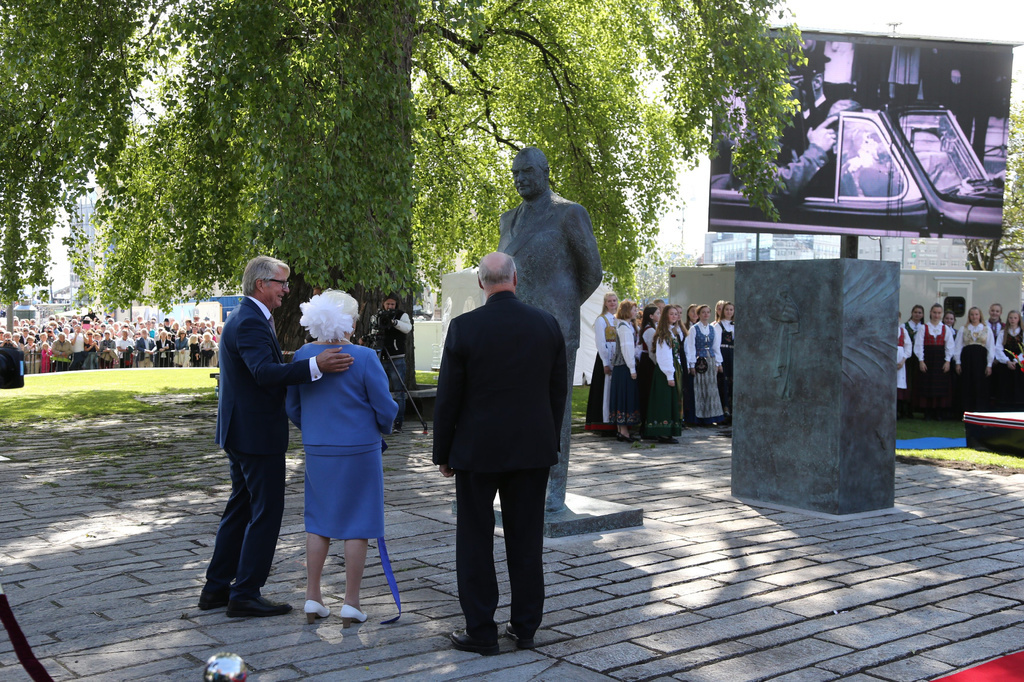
<point x="522" y="514"/>
<point x="396" y="379"/>
<point x="247" y="536"/>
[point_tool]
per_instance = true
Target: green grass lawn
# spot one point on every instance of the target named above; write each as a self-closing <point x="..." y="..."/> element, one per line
<point x="907" y="429"/>
<point x="82" y="394"/>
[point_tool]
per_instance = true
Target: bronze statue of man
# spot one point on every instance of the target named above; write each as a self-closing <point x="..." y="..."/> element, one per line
<point x="552" y="242"/>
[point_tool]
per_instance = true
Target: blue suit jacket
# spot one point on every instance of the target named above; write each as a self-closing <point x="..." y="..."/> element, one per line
<point x="254" y="378"/>
<point x="346" y="410"/>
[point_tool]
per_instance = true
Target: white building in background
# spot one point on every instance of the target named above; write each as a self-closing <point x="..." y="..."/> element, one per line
<point x="915" y="254"/>
<point x="730" y="247"/>
<point x="81" y="221"/>
<point x="911" y="254"/>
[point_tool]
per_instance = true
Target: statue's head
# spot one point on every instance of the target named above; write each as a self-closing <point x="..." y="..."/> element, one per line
<point x="530" y="173"/>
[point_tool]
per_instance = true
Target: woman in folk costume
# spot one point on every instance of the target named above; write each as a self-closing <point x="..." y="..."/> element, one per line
<point x="624" y="410"/>
<point x="664" y="420"/>
<point x="600" y="379"/>
<point x="1009" y="347"/>
<point x="645" y="361"/>
<point x="726" y="328"/>
<point x="912" y="327"/>
<point x="955" y="402"/>
<point x="904" y="351"/>
<point x="680" y="329"/>
<point x="974" y="350"/>
<point x="704" y="361"/>
<point x="933" y="347"/>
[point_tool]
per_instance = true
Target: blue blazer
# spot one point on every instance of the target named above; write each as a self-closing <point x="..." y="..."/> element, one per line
<point x="346" y="410"/>
<point x="253" y="382"/>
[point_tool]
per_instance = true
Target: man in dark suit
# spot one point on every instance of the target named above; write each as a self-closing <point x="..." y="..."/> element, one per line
<point x="497" y="420"/>
<point x="252" y="427"/>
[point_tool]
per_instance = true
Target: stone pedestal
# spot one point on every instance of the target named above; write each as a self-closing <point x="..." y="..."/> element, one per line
<point x="582" y="515"/>
<point x="814" y="405"/>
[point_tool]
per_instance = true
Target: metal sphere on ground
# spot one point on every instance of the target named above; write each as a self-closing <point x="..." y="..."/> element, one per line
<point x="225" y="667"/>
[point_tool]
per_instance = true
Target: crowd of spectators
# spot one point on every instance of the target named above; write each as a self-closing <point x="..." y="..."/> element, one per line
<point x="94" y="341"/>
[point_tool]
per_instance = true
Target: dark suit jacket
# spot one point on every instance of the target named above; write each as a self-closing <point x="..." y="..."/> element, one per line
<point x="251" y="417"/>
<point x="501" y="390"/>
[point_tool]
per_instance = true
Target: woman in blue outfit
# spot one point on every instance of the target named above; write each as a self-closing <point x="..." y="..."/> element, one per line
<point x="342" y="417"/>
<point x="704" y="359"/>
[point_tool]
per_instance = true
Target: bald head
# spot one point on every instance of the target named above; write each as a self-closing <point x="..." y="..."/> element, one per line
<point x="497" y="272"/>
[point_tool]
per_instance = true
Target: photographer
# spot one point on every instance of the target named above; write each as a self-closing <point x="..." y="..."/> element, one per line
<point x="391" y="326"/>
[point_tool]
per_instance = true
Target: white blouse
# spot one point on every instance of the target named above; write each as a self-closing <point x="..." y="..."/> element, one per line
<point x="664" y="358"/>
<point x="625" y="330"/>
<point x="904" y="350"/>
<point x="934" y="330"/>
<point x="728" y="326"/>
<point x="690" y="344"/>
<point x="605" y="347"/>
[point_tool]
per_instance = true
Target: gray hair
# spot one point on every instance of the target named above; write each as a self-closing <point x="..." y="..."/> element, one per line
<point x="260" y="267"/>
<point x="496" y="268"/>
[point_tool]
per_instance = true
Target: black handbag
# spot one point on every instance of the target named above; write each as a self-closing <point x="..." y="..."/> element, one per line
<point x="701" y="365"/>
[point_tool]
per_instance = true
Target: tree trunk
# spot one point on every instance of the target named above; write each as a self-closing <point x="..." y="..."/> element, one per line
<point x="292" y="335"/>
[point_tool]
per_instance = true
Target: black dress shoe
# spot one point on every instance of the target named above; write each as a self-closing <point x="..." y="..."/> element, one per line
<point x="259" y="607"/>
<point x="668" y="440"/>
<point x="213" y="600"/>
<point x="521" y="642"/>
<point x="463" y="642"/>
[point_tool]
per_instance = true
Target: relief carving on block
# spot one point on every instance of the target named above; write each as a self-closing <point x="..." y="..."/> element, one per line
<point x="787" y="314"/>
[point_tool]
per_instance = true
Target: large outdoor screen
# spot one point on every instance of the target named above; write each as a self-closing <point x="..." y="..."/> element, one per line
<point x="893" y="137"/>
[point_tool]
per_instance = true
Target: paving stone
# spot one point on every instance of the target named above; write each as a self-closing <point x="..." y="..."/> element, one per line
<point x="977" y="604"/>
<point x="717" y="630"/>
<point x="913" y="669"/>
<point x="768" y="663"/>
<point x="806" y="675"/>
<point x="878" y="655"/>
<point x="614" y="656"/>
<point x="891" y="627"/>
<point x="847" y="598"/>
<point x="940" y="593"/>
<point x="976" y="626"/>
<point x="667" y="665"/>
<point x="813" y="627"/>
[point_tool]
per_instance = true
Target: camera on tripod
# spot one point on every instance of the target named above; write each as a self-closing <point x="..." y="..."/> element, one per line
<point x="12" y="368"/>
<point x="380" y="322"/>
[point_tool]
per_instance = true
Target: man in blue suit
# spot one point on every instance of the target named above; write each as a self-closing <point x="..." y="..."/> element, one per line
<point x="497" y="423"/>
<point x="252" y="427"/>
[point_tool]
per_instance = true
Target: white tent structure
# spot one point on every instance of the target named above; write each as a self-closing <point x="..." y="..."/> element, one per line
<point x="461" y="293"/>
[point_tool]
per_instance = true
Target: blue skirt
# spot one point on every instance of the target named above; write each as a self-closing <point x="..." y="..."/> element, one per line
<point x="345" y="495"/>
<point x="623" y="406"/>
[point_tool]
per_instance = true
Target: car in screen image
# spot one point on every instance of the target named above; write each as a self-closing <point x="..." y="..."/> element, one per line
<point x="901" y="172"/>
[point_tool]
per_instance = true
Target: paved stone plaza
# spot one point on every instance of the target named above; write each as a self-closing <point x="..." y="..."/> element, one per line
<point x="107" y="527"/>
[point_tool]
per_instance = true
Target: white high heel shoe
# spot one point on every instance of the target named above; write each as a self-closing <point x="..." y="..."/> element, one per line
<point x="349" y="614"/>
<point x="314" y="610"/>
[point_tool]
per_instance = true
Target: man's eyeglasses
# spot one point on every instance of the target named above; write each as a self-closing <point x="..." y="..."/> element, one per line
<point x="282" y="282"/>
